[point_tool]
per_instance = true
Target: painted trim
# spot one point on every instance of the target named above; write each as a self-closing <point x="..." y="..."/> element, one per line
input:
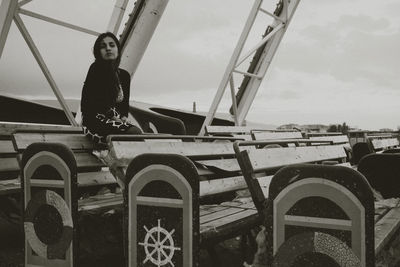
<point x="320" y="187"/>
<point x="159" y="172"/>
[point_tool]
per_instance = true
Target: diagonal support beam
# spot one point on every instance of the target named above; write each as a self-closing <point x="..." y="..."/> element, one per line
<point x="57" y="22"/>
<point x="7" y="11"/>
<point x="117" y="15"/>
<point x="28" y="39"/>
<point x="228" y="72"/>
<point x="265" y="60"/>
<point x="24" y="2"/>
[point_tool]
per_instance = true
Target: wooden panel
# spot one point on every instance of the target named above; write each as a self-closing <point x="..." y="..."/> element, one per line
<point x="324" y="134"/>
<point x="242" y="136"/>
<point x="207" y="209"/>
<point x="212" y="187"/>
<point x="6" y="147"/>
<point x="384" y="143"/>
<point x="216" y="186"/>
<point x="95" y="178"/>
<point x="277" y="157"/>
<point x="229" y="165"/>
<point x="227" y="130"/>
<point x="10" y="187"/>
<point x="275" y="135"/>
<point x="88" y="160"/>
<point x="219" y="214"/>
<point x="238" y="204"/>
<point x="74" y="141"/>
<point x="7" y="128"/>
<point x="100" y="202"/>
<point x="123" y="152"/>
<point x="385" y="228"/>
<point x="337" y="139"/>
<point x="9" y="164"/>
<point x="84" y="180"/>
<point x="223" y="221"/>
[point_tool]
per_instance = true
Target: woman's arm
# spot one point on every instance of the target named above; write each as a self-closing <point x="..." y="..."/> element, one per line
<point x="125" y="83"/>
<point x="93" y="99"/>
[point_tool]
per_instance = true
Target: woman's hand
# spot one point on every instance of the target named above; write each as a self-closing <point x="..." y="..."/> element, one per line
<point x="124" y="119"/>
<point x="117" y="119"/>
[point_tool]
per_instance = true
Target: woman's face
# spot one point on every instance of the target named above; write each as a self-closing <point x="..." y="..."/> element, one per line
<point x="108" y="49"/>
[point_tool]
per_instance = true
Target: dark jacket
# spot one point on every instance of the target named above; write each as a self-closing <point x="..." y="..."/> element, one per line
<point x="99" y="93"/>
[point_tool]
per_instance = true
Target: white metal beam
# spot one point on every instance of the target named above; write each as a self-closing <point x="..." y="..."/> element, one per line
<point x="228" y="72"/>
<point x="28" y="39"/>
<point x="7" y="11"/>
<point x="264" y="63"/>
<point x="117" y="15"/>
<point x="139" y="31"/>
<point x="24" y="2"/>
<point x="272" y="15"/>
<point x="260" y="64"/>
<point x="57" y="22"/>
<point x="233" y="96"/>
<point x="261" y="43"/>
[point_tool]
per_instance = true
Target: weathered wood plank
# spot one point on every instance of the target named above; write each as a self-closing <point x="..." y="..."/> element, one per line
<point x="7" y="128"/>
<point x="336" y="139"/>
<point x="10" y="187"/>
<point x="232" y="219"/>
<point x="9" y="164"/>
<point x="122" y="152"/>
<point x="385" y="229"/>
<point x="383" y="143"/>
<point x="278" y="157"/>
<point x="100" y="202"/>
<point x="207" y="209"/>
<point x="219" y="214"/>
<point x="87" y="160"/>
<point x="229" y="165"/>
<point x="6" y="148"/>
<point x="219" y="130"/>
<point x="276" y="135"/>
<point x="74" y="141"/>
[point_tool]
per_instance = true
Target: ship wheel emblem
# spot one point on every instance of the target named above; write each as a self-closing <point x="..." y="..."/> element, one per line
<point x="159" y="245"/>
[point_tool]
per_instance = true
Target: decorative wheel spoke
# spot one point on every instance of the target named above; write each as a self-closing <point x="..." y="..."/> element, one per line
<point x="159" y="240"/>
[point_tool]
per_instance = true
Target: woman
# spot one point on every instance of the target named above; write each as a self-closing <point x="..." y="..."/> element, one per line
<point x="105" y="94"/>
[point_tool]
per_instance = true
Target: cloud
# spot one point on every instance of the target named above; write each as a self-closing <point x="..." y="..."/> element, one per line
<point x="353" y="47"/>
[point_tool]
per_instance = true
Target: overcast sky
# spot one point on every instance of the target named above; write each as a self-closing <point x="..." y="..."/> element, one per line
<point x="338" y="62"/>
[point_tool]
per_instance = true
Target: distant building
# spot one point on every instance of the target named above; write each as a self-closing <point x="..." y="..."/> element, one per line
<point x="309" y="128"/>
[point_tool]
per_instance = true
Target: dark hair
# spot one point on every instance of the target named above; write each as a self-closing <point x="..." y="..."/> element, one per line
<point x="96" y="47"/>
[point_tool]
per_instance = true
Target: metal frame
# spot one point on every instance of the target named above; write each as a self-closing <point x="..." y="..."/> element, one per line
<point x="280" y="24"/>
<point x="7" y="10"/>
<point x="117" y="15"/>
<point x="11" y="10"/>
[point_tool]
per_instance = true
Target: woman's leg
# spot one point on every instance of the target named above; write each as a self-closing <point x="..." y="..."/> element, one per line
<point x="133" y="130"/>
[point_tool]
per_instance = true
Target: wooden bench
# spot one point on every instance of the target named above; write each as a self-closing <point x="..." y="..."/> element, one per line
<point x="215" y="177"/>
<point x="268" y="135"/>
<point x="379" y="144"/>
<point x="242" y="132"/>
<point x="10" y="185"/>
<point x="375" y="144"/>
<point x="58" y="170"/>
<point x="9" y="165"/>
<point x="303" y="199"/>
<point x="208" y="168"/>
